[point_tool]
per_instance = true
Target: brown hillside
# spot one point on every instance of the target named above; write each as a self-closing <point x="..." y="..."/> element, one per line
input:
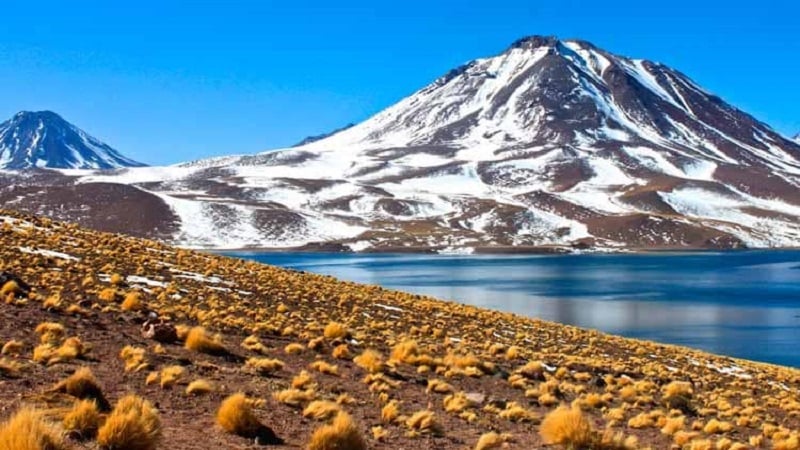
<point x="325" y="364"/>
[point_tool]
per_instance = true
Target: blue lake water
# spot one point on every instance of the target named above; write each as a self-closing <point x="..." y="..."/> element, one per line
<point x="742" y="304"/>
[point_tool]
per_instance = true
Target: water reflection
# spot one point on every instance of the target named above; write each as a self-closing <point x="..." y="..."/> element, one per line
<point x="744" y="304"/>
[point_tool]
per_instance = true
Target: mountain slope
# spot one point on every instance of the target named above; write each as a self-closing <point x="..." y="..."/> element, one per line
<point x="45" y="140"/>
<point x="550" y="144"/>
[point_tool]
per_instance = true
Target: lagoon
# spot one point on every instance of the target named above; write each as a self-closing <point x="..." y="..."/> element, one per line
<point x="744" y="304"/>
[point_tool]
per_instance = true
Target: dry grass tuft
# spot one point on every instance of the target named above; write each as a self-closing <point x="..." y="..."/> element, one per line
<point x="321" y="410"/>
<point x="132" y="425"/>
<point x="171" y="375"/>
<point x="264" y="366"/>
<point x="370" y="360"/>
<point x="197" y="339"/>
<point x="294" y="348"/>
<point x="199" y="387"/>
<point x="28" y="430"/>
<point x="302" y="380"/>
<point x="335" y="330"/>
<point x="424" y="422"/>
<point x="83" y="419"/>
<point x="342" y="434"/>
<point x="341" y="351"/>
<point x="83" y="385"/>
<point x="390" y="412"/>
<point x="492" y="440"/>
<point x="12" y="348"/>
<point x="235" y="415"/>
<point x="323" y="367"/>
<point x="568" y="427"/>
<point x="133" y="302"/>
<point x="134" y="358"/>
<point x="294" y="397"/>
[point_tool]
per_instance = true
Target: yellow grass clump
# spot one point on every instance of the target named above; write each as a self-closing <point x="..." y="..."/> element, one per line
<point x="28" y="430"/>
<point x="302" y="380"/>
<point x="171" y="375"/>
<point x="132" y="302"/>
<point x="264" y="366"/>
<point x="370" y="360"/>
<point x="132" y="425"/>
<point x="335" y="330"/>
<point x="197" y="339"/>
<point x="568" y="427"/>
<point x="341" y="351"/>
<point x="390" y="412"/>
<point x="321" y="410"/>
<point x="83" y="385"/>
<point x="424" y="422"/>
<point x="492" y="440"/>
<point x="235" y="416"/>
<point x="342" y="434"/>
<point x="323" y="367"/>
<point x="294" y="348"/>
<point x="12" y="347"/>
<point x="83" y="419"/>
<point x="294" y="397"/>
<point x="199" y="387"/>
<point x="134" y="358"/>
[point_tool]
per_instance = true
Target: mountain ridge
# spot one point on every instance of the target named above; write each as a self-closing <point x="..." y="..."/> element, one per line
<point x="43" y="139"/>
<point x="549" y="144"/>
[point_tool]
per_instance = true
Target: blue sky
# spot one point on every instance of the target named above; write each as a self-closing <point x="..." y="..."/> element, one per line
<point x="167" y="81"/>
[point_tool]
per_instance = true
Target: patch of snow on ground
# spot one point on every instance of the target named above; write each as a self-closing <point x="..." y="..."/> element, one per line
<point x="48" y="253"/>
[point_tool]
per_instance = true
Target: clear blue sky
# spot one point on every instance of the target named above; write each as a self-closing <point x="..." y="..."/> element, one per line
<point x="167" y="81"/>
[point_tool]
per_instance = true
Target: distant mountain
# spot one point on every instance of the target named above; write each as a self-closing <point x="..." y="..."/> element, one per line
<point x="550" y="145"/>
<point x="320" y="137"/>
<point x="797" y="138"/>
<point x="43" y="139"/>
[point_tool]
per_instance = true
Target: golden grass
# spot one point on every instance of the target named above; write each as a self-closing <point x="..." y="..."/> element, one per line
<point x="341" y="351"/>
<point x="568" y="427"/>
<point x="294" y="348"/>
<point x="197" y="339"/>
<point x="342" y="434"/>
<point x="390" y="411"/>
<point x="491" y="440"/>
<point x="335" y="330"/>
<point x="370" y="360"/>
<point x="133" y="302"/>
<point x="424" y="422"/>
<point x="28" y="430"/>
<point x="83" y="419"/>
<point x="82" y="384"/>
<point x="235" y="416"/>
<point x="12" y="347"/>
<point x="264" y="366"/>
<point x="134" y="358"/>
<point x="321" y="410"/>
<point x="199" y="387"/>
<point x="302" y="380"/>
<point x="294" y="397"/>
<point x="323" y="367"/>
<point x="171" y="375"/>
<point x="132" y="425"/>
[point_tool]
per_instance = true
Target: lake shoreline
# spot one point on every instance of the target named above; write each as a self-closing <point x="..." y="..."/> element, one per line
<point x="492" y="251"/>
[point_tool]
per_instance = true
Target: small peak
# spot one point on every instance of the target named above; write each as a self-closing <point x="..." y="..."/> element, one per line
<point x="532" y="42"/>
<point x="38" y="115"/>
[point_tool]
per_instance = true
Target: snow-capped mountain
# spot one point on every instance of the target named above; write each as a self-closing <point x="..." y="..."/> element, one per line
<point x="797" y="138"/>
<point x="45" y="140"/>
<point x="549" y="144"/>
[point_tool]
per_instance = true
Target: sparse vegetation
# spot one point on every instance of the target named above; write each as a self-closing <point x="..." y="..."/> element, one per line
<point x="343" y="433"/>
<point x="132" y="425"/>
<point x="418" y="365"/>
